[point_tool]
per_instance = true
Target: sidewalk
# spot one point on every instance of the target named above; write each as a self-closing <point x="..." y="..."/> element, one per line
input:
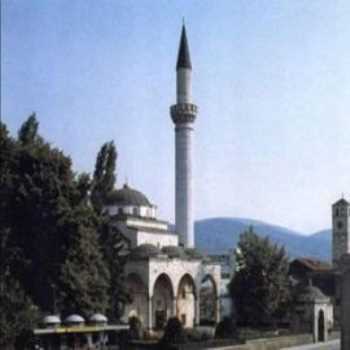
<point x="331" y="345"/>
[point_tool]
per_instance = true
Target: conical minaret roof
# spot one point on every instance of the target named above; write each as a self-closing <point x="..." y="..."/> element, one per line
<point x="183" y="58"/>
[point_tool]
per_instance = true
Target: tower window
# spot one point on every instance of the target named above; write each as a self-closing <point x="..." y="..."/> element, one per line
<point x="337" y="212"/>
<point x="339" y="225"/>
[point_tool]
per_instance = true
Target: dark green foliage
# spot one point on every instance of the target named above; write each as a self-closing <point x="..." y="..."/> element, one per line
<point x="114" y="251"/>
<point x="17" y="313"/>
<point x="226" y="329"/>
<point x="260" y="287"/>
<point x="174" y="332"/>
<point x="28" y="133"/>
<point x="135" y="330"/>
<point x="104" y="176"/>
<point x="85" y="276"/>
<point x="50" y="244"/>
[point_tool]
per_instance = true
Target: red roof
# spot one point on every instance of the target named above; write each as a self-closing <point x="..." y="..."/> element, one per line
<point x="314" y="264"/>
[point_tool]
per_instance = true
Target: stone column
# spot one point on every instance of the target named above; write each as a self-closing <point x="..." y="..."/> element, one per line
<point x="149" y="313"/>
<point x="197" y="310"/>
<point x="345" y="302"/>
<point x="174" y="314"/>
<point x="217" y="310"/>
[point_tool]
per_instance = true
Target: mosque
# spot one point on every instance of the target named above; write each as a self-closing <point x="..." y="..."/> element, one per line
<point x="165" y="274"/>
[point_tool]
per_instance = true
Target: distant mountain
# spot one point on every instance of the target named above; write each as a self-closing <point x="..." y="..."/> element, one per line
<point x="217" y="235"/>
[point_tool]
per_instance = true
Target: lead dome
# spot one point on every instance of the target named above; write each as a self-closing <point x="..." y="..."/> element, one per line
<point x="127" y="196"/>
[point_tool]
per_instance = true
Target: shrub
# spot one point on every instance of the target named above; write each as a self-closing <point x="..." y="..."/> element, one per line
<point x="174" y="333"/>
<point x="226" y="329"/>
<point x="135" y="331"/>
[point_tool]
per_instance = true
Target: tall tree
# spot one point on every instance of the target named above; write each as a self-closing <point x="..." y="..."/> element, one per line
<point x="104" y="175"/>
<point x="28" y="133"/>
<point x="44" y="206"/>
<point x="260" y="287"/>
<point x="115" y="253"/>
<point x="85" y="276"/>
<point x="18" y="314"/>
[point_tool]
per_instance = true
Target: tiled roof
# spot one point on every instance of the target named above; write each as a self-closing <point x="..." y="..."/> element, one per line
<point x="314" y="264"/>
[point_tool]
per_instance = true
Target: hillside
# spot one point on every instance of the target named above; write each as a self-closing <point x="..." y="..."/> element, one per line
<point x="217" y="235"/>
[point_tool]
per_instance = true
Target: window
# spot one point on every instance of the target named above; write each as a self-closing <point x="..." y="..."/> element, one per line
<point x="337" y="212"/>
<point x="134" y="211"/>
<point x="339" y="225"/>
<point x="120" y="211"/>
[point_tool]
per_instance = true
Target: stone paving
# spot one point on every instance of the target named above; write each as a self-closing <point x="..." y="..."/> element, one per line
<point x="331" y="345"/>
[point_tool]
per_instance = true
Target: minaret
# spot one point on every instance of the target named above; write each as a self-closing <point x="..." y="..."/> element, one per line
<point x="341" y="230"/>
<point x="183" y="115"/>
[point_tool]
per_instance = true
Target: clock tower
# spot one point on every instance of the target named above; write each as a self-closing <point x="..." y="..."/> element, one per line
<point x="341" y="230"/>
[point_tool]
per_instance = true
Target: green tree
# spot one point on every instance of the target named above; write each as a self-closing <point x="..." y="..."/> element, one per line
<point x="260" y="287"/>
<point x="114" y="250"/>
<point x="85" y="276"/>
<point x="28" y="133"/>
<point x="104" y="175"/>
<point x="18" y="315"/>
<point x="45" y="208"/>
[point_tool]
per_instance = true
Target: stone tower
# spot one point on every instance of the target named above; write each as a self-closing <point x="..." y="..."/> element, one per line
<point x="183" y="114"/>
<point x="341" y="230"/>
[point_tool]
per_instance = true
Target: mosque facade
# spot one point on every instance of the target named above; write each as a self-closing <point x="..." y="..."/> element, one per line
<point x="165" y="274"/>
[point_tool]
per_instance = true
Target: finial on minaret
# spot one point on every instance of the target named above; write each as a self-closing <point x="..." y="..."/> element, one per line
<point x="183" y="58"/>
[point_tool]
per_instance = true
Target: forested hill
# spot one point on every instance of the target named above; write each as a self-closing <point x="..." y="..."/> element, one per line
<point x="217" y="235"/>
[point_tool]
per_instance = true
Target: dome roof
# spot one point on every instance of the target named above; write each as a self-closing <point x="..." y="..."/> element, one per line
<point x="174" y="251"/>
<point x="74" y="319"/>
<point x="98" y="318"/>
<point x="310" y="293"/>
<point x="144" y="251"/>
<point x="127" y="196"/>
<point x="51" y="320"/>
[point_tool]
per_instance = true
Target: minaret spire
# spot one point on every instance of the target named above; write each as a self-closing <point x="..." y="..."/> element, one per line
<point x="183" y="58"/>
<point x="183" y="114"/>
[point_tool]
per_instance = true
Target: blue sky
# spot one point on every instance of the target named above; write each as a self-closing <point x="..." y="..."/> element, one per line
<point x="271" y="79"/>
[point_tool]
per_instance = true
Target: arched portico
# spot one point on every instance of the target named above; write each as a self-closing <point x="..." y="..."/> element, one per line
<point x="162" y="301"/>
<point x="209" y="300"/>
<point x="138" y="305"/>
<point x="187" y="308"/>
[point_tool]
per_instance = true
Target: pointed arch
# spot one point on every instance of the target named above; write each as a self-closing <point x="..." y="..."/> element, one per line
<point x="208" y="304"/>
<point x="186" y="301"/>
<point x="162" y="301"/>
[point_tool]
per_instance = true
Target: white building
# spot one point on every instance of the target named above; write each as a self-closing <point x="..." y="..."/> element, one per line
<point x="164" y="273"/>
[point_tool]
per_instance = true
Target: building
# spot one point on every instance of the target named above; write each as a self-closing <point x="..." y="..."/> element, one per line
<point x="318" y="283"/>
<point x="165" y="274"/>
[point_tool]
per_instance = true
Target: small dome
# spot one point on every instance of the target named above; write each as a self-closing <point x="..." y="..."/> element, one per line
<point x="74" y="319"/>
<point x="310" y="293"/>
<point x="51" y="320"/>
<point x="144" y="251"/>
<point x="174" y="251"/>
<point x="98" y="318"/>
<point x="127" y="196"/>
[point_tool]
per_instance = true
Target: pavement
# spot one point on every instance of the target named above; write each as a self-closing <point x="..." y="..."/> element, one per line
<point x="331" y="345"/>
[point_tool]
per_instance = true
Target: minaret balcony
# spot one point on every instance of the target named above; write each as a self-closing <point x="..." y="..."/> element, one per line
<point x="183" y="113"/>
